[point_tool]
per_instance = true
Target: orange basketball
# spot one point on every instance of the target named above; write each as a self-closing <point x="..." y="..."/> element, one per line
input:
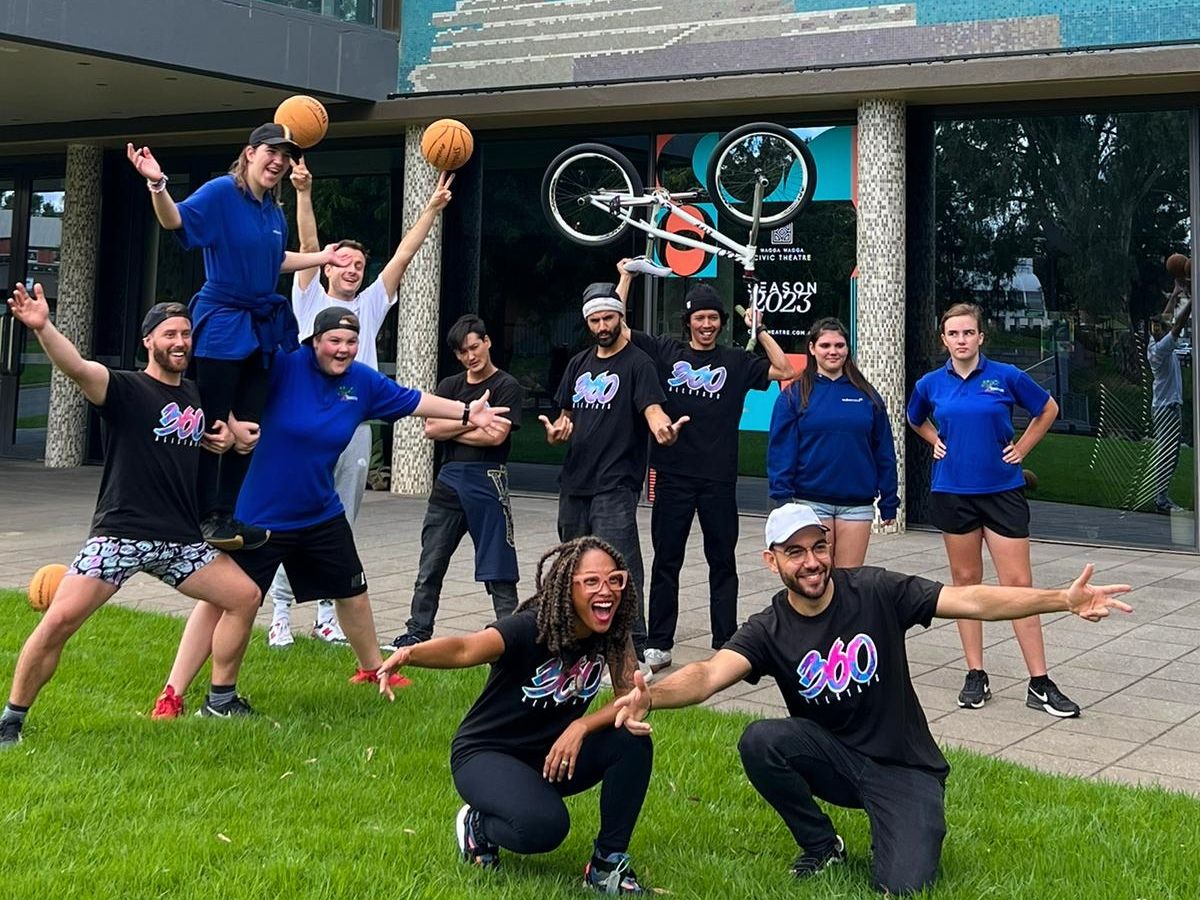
<point x="44" y="584"/>
<point x="447" y="145"/>
<point x="1177" y="265"/>
<point x="305" y="117"/>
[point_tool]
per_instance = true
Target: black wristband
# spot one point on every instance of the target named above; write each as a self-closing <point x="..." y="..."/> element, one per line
<point x="466" y="413"/>
<point x="759" y="330"/>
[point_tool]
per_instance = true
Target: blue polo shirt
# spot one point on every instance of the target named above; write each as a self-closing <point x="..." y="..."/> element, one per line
<point x="974" y="419"/>
<point x="309" y="419"/>
<point x="244" y="241"/>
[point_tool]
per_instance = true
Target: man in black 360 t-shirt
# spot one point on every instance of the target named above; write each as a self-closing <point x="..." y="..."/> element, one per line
<point x="833" y="640"/>
<point x="697" y="475"/>
<point x="147" y="517"/>
<point x="610" y="399"/>
<point x="471" y="490"/>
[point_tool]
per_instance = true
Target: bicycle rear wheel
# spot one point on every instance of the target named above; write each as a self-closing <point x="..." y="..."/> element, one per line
<point x="761" y="150"/>
<point x="577" y="175"/>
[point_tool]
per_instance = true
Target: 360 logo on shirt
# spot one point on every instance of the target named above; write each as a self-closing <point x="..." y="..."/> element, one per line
<point x="705" y="378"/>
<point x="554" y="682"/>
<point x="182" y="424"/>
<point x="847" y="664"/>
<point x="596" y="390"/>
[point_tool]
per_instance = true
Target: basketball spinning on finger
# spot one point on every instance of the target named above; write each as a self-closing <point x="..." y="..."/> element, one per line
<point x="447" y="144"/>
<point x="305" y="117"/>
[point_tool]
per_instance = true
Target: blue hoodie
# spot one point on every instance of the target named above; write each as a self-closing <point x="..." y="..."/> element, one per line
<point x="838" y="450"/>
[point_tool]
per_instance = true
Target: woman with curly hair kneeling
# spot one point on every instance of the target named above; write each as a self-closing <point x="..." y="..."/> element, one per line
<point x="527" y="743"/>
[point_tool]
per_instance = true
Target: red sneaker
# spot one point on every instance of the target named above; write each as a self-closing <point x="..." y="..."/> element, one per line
<point x="169" y="705"/>
<point x="369" y="676"/>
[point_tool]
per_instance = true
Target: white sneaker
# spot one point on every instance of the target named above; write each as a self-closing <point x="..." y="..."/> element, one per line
<point x="657" y="659"/>
<point x="640" y="265"/>
<point x="647" y="673"/>
<point x="330" y="633"/>
<point x="280" y="634"/>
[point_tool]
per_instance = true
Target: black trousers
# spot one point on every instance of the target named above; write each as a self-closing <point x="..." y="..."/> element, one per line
<point x="239" y="386"/>
<point x="792" y="761"/>
<point x="525" y="813"/>
<point x="677" y="498"/>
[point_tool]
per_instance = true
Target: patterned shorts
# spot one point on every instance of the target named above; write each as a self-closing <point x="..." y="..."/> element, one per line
<point x="115" y="560"/>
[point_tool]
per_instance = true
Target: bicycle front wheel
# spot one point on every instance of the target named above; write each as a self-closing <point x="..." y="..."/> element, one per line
<point x="574" y="178"/>
<point x="766" y="152"/>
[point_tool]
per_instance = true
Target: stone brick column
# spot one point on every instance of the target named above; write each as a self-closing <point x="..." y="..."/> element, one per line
<point x="881" y="267"/>
<point x="66" y="427"/>
<point x="417" y="338"/>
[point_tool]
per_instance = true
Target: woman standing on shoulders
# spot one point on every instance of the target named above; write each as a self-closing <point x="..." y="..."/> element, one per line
<point x="239" y="320"/>
<point x="527" y="743"/>
<point x="963" y="410"/>
<point x="830" y="446"/>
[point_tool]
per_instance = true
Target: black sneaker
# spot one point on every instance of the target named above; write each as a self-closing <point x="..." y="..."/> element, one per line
<point x="810" y="864"/>
<point x="227" y="533"/>
<point x="230" y="709"/>
<point x="10" y="733"/>
<point x="1048" y="698"/>
<point x="473" y="847"/>
<point x="405" y="640"/>
<point x="976" y="690"/>
<point x="253" y="537"/>
<point x="611" y="875"/>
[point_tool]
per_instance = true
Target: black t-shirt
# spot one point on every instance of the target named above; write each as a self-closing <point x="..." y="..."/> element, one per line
<point x="711" y="387"/>
<point x="607" y="398"/>
<point x="846" y="668"/>
<point x="151" y="436"/>
<point x="506" y="391"/>
<point x="530" y="697"/>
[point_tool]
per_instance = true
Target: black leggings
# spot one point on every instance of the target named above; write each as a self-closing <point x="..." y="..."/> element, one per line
<point x="228" y="385"/>
<point x="525" y="813"/>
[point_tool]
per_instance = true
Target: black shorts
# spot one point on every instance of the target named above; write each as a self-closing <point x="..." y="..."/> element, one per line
<point x="1005" y="513"/>
<point x="321" y="561"/>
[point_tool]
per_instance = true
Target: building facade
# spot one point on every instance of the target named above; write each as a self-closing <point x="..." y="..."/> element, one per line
<point x="1038" y="157"/>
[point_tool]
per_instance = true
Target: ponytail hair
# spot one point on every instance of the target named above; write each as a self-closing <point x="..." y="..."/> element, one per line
<point x="238" y="169"/>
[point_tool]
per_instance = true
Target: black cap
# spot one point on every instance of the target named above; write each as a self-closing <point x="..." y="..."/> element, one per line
<point x="160" y="312"/>
<point x="274" y="135"/>
<point x="332" y="318"/>
<point x="702" y="296"/>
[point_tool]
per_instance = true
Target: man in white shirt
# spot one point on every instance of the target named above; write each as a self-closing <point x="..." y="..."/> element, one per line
<point x="344" y="287"/>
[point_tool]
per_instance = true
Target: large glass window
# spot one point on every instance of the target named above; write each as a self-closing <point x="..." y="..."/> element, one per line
<point x="360" y="11"/>
<point x="1060" y="227"/>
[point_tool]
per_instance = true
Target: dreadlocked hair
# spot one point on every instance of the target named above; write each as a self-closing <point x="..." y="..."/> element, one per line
<point x="556" y="610"/>
<point x="804" y="384"/>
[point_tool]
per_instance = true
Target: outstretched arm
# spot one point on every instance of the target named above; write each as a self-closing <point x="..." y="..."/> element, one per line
<point x="991" y="603"/>
<point x="485" y="646"/>
<point x="412" y="241"/>
<point x="147" y="166"/>
<point x="692" y="684"/>
<point x="34" y="313"/>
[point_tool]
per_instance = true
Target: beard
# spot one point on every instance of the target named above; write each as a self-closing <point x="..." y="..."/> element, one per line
<point x="796" y="586"/>
<point x="606" y="338"/>
<point x="168" y="363"/>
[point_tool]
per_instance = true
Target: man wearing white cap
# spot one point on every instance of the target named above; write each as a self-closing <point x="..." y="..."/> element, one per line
<point x="856" y="736"/>
<point x="609" y="397"/>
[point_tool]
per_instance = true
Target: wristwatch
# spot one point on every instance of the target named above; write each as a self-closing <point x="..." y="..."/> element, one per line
<point x="466" y="413"/>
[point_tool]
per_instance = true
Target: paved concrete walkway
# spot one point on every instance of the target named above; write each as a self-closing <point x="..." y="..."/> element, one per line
<point x="1137" y="677"/>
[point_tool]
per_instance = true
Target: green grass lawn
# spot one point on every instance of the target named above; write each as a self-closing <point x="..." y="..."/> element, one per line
<point x="330" y="792"/>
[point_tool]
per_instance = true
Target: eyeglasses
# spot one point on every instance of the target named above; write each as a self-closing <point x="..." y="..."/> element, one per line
<point x="617" y="579"/>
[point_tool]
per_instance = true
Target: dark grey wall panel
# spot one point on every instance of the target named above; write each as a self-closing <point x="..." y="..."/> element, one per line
<point x="242" y="39"/>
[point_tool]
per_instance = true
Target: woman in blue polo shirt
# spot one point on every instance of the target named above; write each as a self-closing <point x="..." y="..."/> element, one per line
<point x="964" y="411"/>
<point x="239" y="320"/>
<point x="830" y="445"/>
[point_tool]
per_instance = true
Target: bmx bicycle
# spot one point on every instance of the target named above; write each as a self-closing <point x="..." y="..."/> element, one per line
<point x="759" y="175"/>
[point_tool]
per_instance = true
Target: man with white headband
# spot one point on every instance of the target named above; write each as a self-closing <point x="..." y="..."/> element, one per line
<point x="609" y="398"/>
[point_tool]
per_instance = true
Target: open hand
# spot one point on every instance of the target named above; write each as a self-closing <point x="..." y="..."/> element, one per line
<point x="338" y="256"/>
<point x="31" y="311"/>
<point x="634" y="706"/>
<point x="1093" y="602"/>
<point x="143" y="160"/>
<point x="1012" y="454"/>
<point x="558" y="432"/>
<point x="397" y="660"/>
<point x="482" y="415"/>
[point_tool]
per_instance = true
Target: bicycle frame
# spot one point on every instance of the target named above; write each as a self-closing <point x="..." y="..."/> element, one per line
<point x="621" y="205"/>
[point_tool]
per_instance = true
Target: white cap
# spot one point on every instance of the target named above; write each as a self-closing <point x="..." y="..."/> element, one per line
<point x="785" y="521"/>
